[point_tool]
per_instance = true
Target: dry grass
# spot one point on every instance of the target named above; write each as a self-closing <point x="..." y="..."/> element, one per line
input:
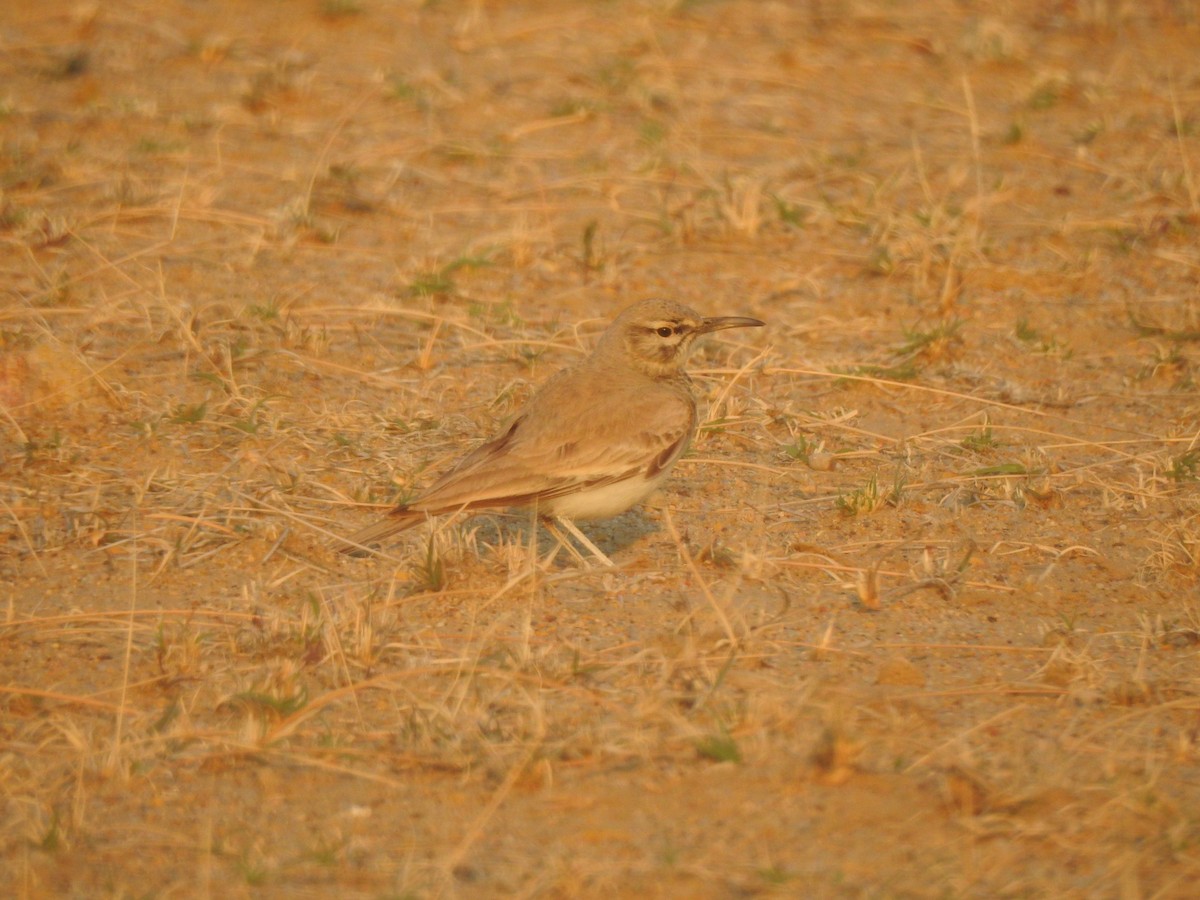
<point x="918" y="614"/>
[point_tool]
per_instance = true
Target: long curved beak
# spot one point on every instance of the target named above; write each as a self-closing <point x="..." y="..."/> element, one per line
<point x="720" y="323"/>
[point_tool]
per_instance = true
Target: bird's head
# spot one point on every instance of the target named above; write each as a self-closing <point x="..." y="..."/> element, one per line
<point x="656" y="336"/>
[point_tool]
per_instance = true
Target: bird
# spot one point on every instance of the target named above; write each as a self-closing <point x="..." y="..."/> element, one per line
<point x="593" y="441"/>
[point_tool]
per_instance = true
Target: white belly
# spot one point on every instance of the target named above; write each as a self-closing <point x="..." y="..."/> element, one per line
<point x="602" y="502"/>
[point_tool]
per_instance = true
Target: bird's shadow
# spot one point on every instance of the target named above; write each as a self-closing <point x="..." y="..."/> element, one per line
<point x="610" y="535"/>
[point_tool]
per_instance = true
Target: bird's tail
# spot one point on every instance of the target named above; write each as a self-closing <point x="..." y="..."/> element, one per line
<point x="366" y="540"/>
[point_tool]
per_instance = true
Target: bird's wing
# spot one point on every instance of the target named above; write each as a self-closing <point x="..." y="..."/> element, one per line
<point x="581" y="446"/>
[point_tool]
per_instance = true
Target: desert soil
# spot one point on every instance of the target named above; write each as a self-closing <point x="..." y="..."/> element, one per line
<point x="916" y="616"/>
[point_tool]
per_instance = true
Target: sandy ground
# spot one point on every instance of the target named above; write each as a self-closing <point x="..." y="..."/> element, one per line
<point x="916" y="616"/>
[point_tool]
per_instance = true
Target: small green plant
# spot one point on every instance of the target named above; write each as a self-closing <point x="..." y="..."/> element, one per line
<point x="239" y="347"/>
<point x="1089" y="132"/>
<point x="716" y="426"/>
<point x="871" y="497"/>
<point x="1033" y="339"/>
<point x="1045" y="96"/>
<point x="327" y="852"/>
<point x="53" y="443"/>
<point x="1146" y="329"/>
<point x="441" y="281"/>
<point x="400" y="88"/>
<point x="980" y="441"/>
<point x="933" y="342"/>
<point x="503" y="314"/>
<point x="155" y="145"/>
<point x="431" y="572"/>
<point x="253" y="871"/>
<point x="615" y="75"/>
<point x="720" y="747"/>
<point x="11" y="217"/>
<point x="879" y="261"/>
<point x="801" y="450"/>
<point x="588" y="257"/>
<point x="169" y="715"/>
<point x="57" y="289"/>
<point x="265" y="312"/>
<point x="789" y="213"/>
<point x="775" y="875"/>
<point x="185" y="414"/>
<point x="864" y="500"/>
<point x="281" y="706"/>
<point x="339" y="9"/>
<point x="250" y="424"/>
<point x="432" y="283"/>
<point x="718" y="555"/>
<point x="580" y="669"/>
<point x="52" y="839"/>
<point x="1184" y="467"/>
<point x="1183" y="127"/>
<point x="569" y="107"/>
<point x="652" y="132"/>
<point x="905" y="371"/>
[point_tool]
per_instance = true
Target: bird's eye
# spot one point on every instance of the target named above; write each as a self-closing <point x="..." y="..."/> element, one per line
<point x="665" y="331"/>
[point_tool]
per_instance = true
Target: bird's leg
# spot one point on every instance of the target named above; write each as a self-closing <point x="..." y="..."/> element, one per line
<point x="561" y="542"/>
<point x="583" y="539"/>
